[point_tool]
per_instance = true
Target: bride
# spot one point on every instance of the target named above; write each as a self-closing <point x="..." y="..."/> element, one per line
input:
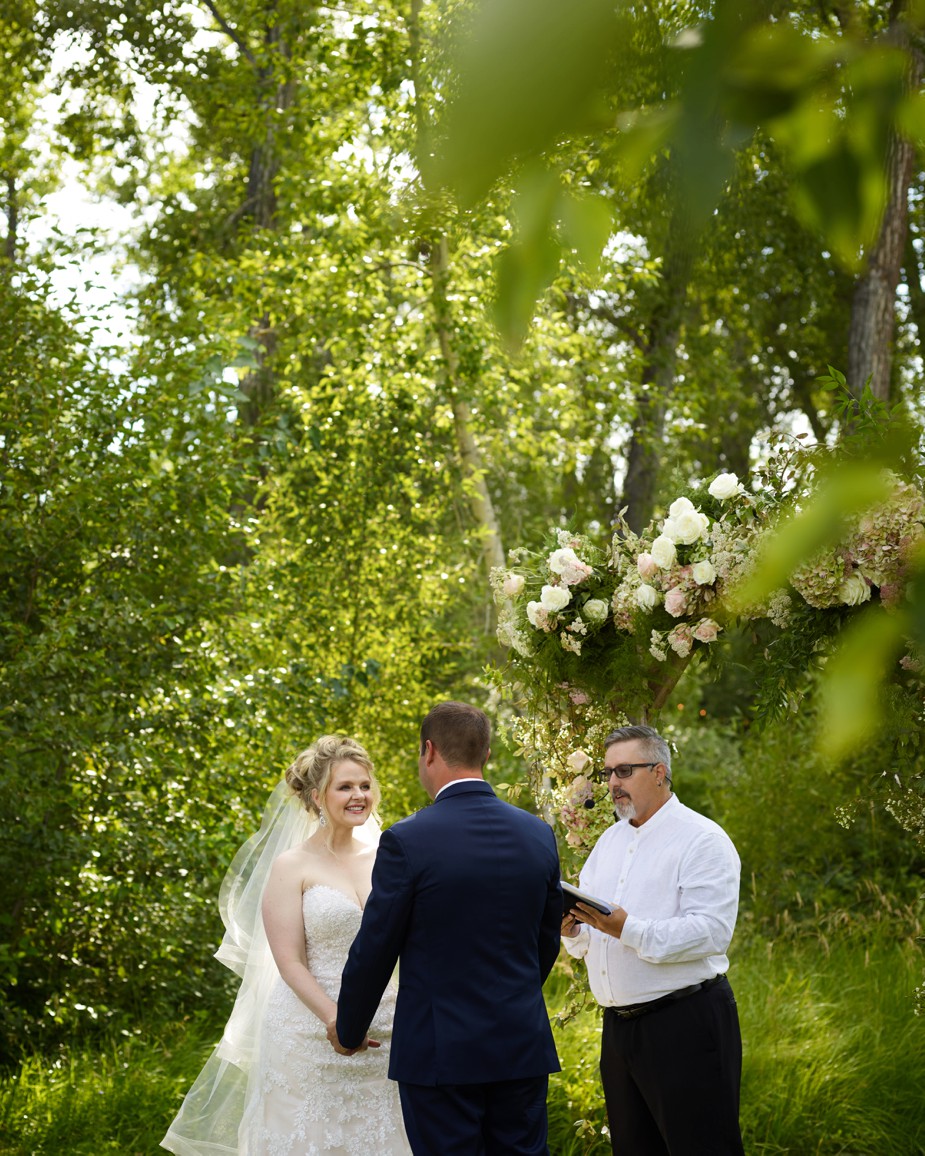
<point x="274" y="1086"/>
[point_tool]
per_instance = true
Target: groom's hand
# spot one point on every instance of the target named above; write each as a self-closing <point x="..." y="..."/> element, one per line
<point x="339" y="1047"/>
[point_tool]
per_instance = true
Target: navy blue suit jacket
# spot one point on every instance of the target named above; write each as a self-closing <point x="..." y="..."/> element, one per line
<point x="467" y="893"/>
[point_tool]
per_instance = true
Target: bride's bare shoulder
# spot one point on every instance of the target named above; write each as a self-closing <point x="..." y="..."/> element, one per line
<point x="298" y="860"/>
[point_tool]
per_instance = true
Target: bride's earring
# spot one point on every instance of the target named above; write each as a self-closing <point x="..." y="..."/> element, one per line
<point x="322" y="821"/>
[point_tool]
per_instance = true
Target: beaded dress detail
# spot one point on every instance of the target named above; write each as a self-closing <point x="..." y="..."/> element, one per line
<point x="307" y="1100"/>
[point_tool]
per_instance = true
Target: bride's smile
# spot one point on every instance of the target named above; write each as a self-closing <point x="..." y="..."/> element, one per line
<point x="349" y="797"/>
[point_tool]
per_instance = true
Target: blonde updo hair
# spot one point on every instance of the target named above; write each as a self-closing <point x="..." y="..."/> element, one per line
<point x="312" y="770"/>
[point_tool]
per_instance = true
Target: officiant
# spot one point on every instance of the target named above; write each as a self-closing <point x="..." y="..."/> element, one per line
<point x="671" y="1049"/>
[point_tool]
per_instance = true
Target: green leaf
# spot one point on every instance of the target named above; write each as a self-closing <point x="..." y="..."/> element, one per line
<point x="528" y="72"/>
<point x="851" y="709"/>
<point x="587" y="223"/>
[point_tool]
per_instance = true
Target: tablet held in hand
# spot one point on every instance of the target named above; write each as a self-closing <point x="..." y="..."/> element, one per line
<point x="573" y="897"/>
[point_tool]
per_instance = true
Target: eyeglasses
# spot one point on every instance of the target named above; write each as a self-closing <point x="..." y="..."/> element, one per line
<point x="621" y="770"/>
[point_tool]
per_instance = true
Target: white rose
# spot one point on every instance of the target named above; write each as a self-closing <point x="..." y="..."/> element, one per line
<point x="724" y="486"/>
<point x="646" y="597"/>
<point x="679" y="507"/>
<point x="663" y="552"/>
<point x="704" y="573"/>
<point x="688" y="527"/>
<point x="568" y="566"/>
<point x="578" y="760"/>
<point x="854" y="590"/>
<point x="513" y="584"/>
<point x="595" y="610"/>
<point x="554" y="598"/>
<point x="562" y="560"/>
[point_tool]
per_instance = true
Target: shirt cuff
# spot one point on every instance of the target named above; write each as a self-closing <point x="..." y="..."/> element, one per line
<point x="632" y="933"/>
<point x="577" y="945"/>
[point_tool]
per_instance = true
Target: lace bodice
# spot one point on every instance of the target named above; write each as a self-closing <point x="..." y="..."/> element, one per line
<point x="332" y="920"/>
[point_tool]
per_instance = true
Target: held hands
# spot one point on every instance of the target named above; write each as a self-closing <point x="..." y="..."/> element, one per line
<point x="339" y="1047"/>
<point x="611" y="924"/>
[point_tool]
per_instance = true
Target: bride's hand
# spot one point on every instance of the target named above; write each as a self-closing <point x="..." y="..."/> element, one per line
<point x="339" y="1047"/>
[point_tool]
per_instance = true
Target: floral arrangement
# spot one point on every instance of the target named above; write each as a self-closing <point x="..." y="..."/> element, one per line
<point x="598" y="636"/>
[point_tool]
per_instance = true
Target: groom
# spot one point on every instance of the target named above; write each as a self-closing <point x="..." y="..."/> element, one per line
<point x="466" y="893"/>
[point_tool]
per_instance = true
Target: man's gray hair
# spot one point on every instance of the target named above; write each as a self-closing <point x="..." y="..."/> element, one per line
<point x="656" y="746"/>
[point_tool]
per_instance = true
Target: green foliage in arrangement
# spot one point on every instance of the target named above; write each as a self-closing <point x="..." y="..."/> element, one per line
<point x="790" y="559"/>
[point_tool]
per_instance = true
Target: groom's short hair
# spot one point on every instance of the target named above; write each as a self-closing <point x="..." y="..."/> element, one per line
<point x="460" y="733"/>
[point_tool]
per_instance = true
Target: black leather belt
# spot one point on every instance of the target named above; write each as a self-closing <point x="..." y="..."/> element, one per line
<point x="631" y="1011"/>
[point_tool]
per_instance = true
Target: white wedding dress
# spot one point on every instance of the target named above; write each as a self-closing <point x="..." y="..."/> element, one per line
<point x="309" y="1100"/>
<point x="302" y="1098"/>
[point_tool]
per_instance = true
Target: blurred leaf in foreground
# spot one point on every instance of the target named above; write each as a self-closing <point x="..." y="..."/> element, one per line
<point x="527" y="75"/>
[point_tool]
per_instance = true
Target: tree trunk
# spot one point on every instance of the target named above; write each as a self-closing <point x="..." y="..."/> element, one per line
<point x="645" y="450"/>
<point x="12" y="220"/>
<point x="274" y="99"/>
<point x="481" y="505"/>
<point x="873" y="308"/>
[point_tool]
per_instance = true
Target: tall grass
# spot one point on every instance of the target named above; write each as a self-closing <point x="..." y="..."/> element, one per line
<point x="834" y="1059"/>
<point x="834" y="1066"/>
<point x="97" y="1100"/>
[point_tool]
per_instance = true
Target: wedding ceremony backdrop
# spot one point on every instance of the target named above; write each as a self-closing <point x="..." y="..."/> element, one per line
<point x="560" y="358"/>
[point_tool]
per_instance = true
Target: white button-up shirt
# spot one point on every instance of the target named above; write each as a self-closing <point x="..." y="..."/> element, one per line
<point x="677" y="877"/>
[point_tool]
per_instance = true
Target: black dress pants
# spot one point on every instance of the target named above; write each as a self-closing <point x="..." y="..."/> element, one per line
<point x="671" y="1077"/>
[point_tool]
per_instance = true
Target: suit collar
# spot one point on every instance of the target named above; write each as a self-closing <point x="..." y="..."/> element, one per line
<point x="464" y="787"/>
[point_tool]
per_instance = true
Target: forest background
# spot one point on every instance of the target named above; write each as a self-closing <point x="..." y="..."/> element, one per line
<point x="391" y="315"/>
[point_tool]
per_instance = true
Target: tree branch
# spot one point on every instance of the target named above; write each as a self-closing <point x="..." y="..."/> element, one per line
<point x="612" y="317"/>
<point x="231" y="34"/>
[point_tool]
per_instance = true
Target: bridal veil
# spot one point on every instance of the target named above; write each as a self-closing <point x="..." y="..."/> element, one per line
<point x="209" y="1119"/>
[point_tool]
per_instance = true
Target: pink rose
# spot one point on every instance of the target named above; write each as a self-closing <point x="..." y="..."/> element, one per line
<point x="513" y="584"/>
<point x="647" y="566"/>
<point x="578" y="760"/>
<point x="707" y="630"/>
<point x="676" y="602"/>
<point x="578" y="697"/>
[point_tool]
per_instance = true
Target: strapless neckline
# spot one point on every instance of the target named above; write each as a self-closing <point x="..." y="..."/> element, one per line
<point x="336" y="890"/>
